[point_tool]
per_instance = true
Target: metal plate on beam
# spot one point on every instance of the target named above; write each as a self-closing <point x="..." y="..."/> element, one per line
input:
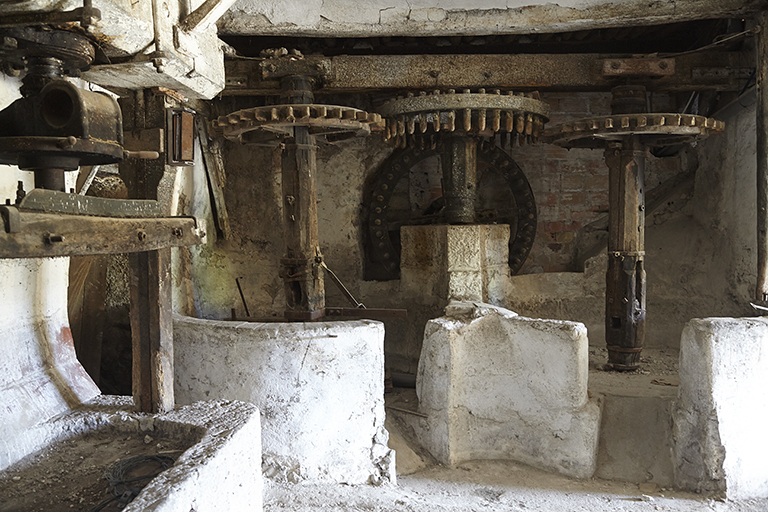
<point x="639" y="67"/>
<point x="48" y="235"/>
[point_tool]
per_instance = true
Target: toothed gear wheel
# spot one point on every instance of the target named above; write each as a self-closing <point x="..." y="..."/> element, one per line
<point x="655" y="130"/>
<point x="275" y="121"/>
<point x="418" y="120"/>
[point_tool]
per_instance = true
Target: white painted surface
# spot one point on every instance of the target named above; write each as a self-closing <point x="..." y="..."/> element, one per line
<point x="498" y="386"/>
<point x="320" y="387"/>
<point x="442" y="17"/>
<point x="721" y="413"/>
<point x="40" y="376"/>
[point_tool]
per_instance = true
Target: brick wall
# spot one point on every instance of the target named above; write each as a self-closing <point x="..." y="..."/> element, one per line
<point x="571" y="186"/>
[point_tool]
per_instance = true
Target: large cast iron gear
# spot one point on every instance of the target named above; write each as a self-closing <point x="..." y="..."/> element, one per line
<point x="382" y="244"/>
<point x="655" y="130"/>
<point x="259" y="124"/>
<point x="415" y="120"/>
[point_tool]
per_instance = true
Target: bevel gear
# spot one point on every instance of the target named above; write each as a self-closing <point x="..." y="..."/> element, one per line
<point x="417" y="120"/>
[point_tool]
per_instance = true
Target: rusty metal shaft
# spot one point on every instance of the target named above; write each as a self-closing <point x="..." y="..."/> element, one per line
<point x="625" y="278"/>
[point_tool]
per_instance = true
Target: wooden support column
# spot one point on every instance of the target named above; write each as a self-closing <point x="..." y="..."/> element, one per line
<point x="151" y="296"/>
<point x="459" y="169"/>
<point x="152" y="330"/>
<point x="300" y="269"/>
<point x="761" y="290"/>
<point x="625" y="278"/>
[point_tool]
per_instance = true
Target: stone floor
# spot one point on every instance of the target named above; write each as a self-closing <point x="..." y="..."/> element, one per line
<point x="494" y="486"/>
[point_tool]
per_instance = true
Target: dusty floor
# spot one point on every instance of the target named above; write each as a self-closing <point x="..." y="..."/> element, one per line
<point x="481" y="486"/>
<point x="69" y="475"/>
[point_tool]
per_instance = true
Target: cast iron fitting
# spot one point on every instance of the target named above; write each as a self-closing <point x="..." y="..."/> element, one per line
<point x="628" y="99"/>
<point x="40" y="71"/>
<point x="297" y="90"/>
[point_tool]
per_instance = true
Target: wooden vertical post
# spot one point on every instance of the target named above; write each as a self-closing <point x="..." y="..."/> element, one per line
<point x="761" y="290"/>
<point x="625" y="278"/>
<point x="300" y="269"/>
<point x="150" y="285"/>
<point x="152" y="330"/>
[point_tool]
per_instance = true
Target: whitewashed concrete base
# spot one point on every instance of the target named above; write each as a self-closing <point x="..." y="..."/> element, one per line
<point x="40" y="376"/>
<point x="218" y="472"/>
<point x="319" y="386"/>
<point x="495" y="385"/>
<point x="721" y="415"/>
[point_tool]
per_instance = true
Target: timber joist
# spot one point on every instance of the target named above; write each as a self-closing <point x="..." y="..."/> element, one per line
<point x="281" y="119"/>
<point x="655" y="130"/>
<point x="40" y="235"/>
<point x="417" y="120"/>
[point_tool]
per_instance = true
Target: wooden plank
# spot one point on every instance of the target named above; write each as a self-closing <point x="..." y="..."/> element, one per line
<point x="44" y="235"/>
<point x="152" y="330"/>
<point x="214" y="169"/>
<point x="86" y="298"/>
<point x="761" y="289"/>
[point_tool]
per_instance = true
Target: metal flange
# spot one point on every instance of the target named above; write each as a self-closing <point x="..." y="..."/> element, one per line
<point x="281" y="119"/>
<point x="655" y="130"/>
<point x="521" y="115"/>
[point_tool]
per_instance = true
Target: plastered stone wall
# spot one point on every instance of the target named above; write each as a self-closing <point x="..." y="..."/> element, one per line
<point x="495" y="385"/>
<point x="40" y="376"/>
<point x="721" y="412"/>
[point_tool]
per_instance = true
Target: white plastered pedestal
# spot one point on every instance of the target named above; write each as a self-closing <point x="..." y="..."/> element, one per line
<point x="319" y="386"/>
<point x="721" y="414"/>
<point x="495" y="385"/>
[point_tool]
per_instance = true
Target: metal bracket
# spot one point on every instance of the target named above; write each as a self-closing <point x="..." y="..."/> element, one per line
<point x="638" y="67"/>
<point x="180" y="129"/>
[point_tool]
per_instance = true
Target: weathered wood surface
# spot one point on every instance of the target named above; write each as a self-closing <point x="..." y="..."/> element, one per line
<point x="152" y="330"/>
<point x="304" y="286"/>
<point x="560" y="72"/>
<point x="625" y="277"/>
<point x="761" y="289"/>
<point x="42" y="235"/>
<point x="214" y="168"/>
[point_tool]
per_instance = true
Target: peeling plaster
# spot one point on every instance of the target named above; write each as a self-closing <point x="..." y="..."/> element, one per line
<point x="351" y="18"/>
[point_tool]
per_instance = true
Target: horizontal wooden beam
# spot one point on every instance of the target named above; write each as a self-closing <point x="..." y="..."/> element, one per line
<point x="40" y="235"/>
<point x="724" y="71"/>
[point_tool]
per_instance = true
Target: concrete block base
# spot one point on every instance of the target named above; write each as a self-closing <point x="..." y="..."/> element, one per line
<point x="218" y="471"/>
<point x="721" y="415"/>
<point x="498" y="386"/>
<point x="320" y="387"/>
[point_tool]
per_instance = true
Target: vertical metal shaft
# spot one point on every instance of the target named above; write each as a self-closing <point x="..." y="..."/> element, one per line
<point x="625" y="278"/>
<point x="459" y="168"/>
<point x="761" y="290"/>
<point x="300" y="267"/>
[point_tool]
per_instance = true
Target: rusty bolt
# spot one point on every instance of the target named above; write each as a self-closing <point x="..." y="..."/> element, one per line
<point x="663" y="65"/>
<point x="615" y="65"/>
<point x="141" y="235"/>
<point x="177" y="232"/>
<point x="67" y="143"/>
